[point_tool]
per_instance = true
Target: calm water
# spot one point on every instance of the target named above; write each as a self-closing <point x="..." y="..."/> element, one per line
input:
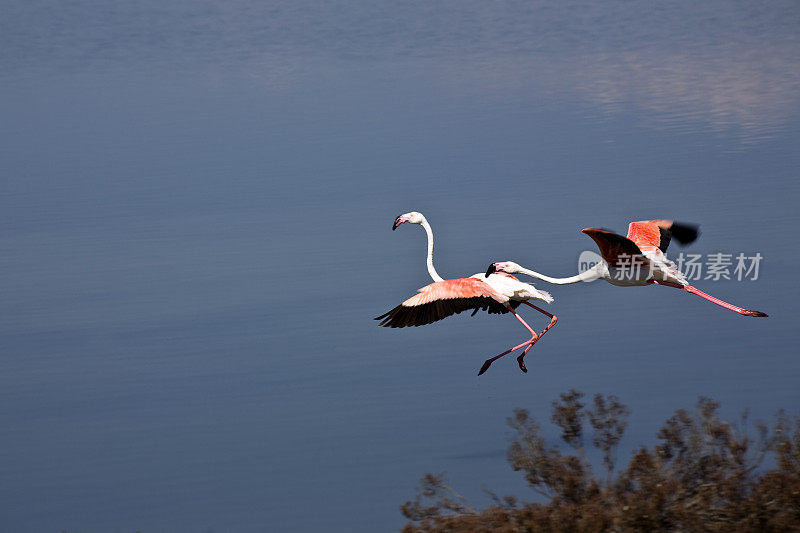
<point x="195" y="235"/>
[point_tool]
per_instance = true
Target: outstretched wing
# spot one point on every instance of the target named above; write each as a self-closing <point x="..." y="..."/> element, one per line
<point x="612" y="245"/>
<point x="651" y="234"/>
<point x="442" y="299"/>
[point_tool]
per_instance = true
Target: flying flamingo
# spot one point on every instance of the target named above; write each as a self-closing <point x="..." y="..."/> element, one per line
<point x="498" y="293"/>
<point x="635" y="260"/>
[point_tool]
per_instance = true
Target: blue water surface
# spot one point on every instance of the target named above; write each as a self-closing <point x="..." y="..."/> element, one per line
<point x="195" y="235"/>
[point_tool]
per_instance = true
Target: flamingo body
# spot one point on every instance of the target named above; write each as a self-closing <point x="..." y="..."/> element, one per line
<point x="630" y="263"/>
<point x="499" y="293"/>
<point x="452" y="296"/>
<point x="635" y="260"/>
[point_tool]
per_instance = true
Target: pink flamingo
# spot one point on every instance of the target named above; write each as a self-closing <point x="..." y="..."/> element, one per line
<point x="635" y="260"/>
<point x="499" y="293"/>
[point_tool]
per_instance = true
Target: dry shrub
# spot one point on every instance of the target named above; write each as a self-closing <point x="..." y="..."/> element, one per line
<point x="705" y="474"/>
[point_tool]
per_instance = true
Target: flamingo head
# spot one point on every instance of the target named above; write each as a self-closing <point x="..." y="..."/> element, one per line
<point x="503" y="266"/>
<point x="413" y="217"/>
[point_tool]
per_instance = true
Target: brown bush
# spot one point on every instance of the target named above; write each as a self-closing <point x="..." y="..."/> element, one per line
<point x="703" y="475"/>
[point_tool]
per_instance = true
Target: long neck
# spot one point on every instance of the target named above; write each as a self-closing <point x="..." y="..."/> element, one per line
<point x="587" y="275"/>
<point x="432" y="271"/>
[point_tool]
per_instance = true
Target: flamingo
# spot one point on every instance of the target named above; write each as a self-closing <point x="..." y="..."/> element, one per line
<point x="635" y="260"/>
<point x="497" y="293"/>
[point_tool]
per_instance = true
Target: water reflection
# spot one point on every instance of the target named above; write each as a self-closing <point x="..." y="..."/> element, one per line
<point x="718" y="65"/>
<point x="716" y="89"/>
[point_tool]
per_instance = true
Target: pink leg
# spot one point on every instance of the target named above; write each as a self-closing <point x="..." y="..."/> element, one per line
<point x="530" y="342"/>
<point x="553" y="320"/>
<point x="701" y="294"/>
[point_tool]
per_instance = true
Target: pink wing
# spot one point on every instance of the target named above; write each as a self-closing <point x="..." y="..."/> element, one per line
<point x="651" y="234"/>
<point x="442" y="299"/>
<point x="646" y="234"/>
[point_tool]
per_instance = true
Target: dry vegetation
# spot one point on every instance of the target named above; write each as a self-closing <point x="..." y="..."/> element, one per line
<point x="704" y="475"/>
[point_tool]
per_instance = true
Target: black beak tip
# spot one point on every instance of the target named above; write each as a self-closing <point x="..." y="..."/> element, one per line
<point x="394" y="226"/>
<point x="491" y="270"/>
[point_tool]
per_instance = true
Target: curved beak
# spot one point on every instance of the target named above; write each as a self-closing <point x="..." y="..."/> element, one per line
<point x="399" y="220"/>
<point x="491" y="270"/>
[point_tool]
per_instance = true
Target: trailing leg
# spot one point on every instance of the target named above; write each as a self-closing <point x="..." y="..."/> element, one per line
<point x="529" y="343"/>
<point x="553" y="320"/>
<point x="701" y="294"/>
